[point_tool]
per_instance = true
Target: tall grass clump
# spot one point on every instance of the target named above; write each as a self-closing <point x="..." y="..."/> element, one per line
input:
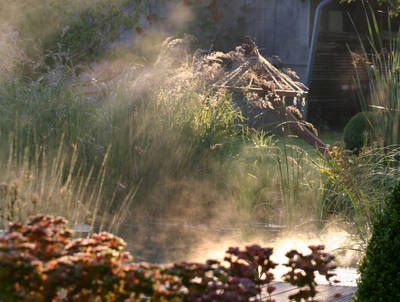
<point x="356" y="185"/>
<point x="381" y="53"/>
<point x="160" y="137"/>
<point x="300" y="185"/>
<point x="48" y="163"/>
<point x="57" y="184"/>
<point x="276" y="182"/>
<point x="152" y="135"/>
<point x="43" y="112"/>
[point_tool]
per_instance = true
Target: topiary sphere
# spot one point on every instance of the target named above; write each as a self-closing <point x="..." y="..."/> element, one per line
<point x="380" y="268"/>
<point x="358" y="130"/>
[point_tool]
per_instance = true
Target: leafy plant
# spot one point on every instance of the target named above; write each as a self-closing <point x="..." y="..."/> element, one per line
<point x="39" y="261"/>
<point x="240" y="278"/>
<point x="359" y="131"/>
<point x="303" y="269"/>
<point x="380" y="280"/>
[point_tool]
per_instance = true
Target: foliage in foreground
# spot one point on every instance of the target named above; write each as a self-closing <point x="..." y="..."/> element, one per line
<point x="380" y="279"/>
<point x="40" y="262"/>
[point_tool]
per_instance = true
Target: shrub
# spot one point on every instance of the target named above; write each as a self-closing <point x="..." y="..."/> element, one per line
<point x="359" y="131"/>
<point x="380" y="278"/>
<point x="40" y="262"/>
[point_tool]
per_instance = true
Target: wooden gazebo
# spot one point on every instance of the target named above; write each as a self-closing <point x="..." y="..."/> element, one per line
<point x="258" y="79"/>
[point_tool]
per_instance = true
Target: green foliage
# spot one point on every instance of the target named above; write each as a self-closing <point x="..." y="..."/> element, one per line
<point x="87" y="34"/>
<point x="110" y="148"/>
<point x="356" y="185"/>
<point x="58" y="184"/>
<point x="381" y="57"/>
<point x="75" y="31"/>
<point x="175" y="149"/>
<point x="392" y="5"/>
<point x="380" y="279"/>
<point x="299" y="184"/>
<point x="39" y="261"/>
<point x="43" y="112"/>
<point x="143" y="131"/>
<point x="151" y="141"/>
<point x="358" y="132"/>
<point x="82" y="31"/>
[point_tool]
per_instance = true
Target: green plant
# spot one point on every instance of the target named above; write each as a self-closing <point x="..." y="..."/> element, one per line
<point x="380" y="280"/>
<point x="273" y="181"/>
<point x="359" y="131"/>
<point x="151" y="140"/>
<point x="393" y="6"/>
<point x="83" y="31"/>
<point x="356" y="185"/>
<point x="188" y="129"/>
<point x="178" y="145"/>
<point x="58" y="184"/>
<point x="381" y="57"/>
<point x="43" y="112"/>
<point x="86" y="32"/>
<point x="80" y="30"/>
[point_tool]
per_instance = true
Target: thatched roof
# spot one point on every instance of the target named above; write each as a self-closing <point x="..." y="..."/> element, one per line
<point x="255" y="74"/>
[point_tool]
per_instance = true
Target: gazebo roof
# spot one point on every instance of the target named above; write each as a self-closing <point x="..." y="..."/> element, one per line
<point x="255" y="74"/>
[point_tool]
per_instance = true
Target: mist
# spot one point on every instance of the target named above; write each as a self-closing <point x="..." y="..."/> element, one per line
<point x="199" y="188"/>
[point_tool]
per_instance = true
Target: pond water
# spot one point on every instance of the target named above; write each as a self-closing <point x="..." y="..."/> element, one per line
<point x="166" y="241"/>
